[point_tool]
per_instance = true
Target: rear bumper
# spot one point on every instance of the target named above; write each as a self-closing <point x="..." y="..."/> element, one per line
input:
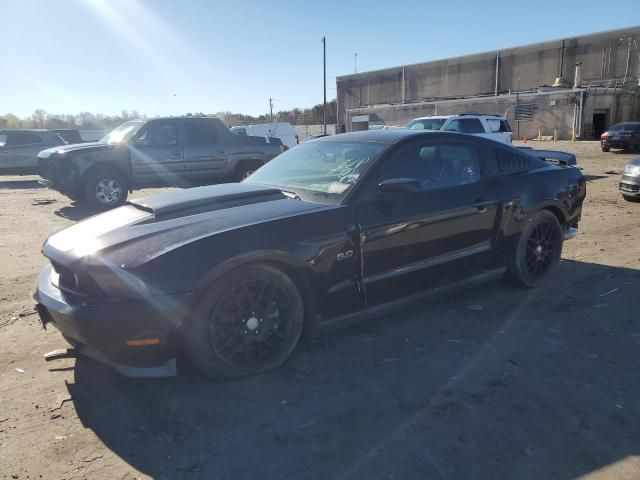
<point x="630" y="186"/>
<point x="101" y="331"/>
<point x="621" y="143"/>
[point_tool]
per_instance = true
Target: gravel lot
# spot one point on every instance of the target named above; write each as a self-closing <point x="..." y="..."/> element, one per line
<point x="538" y="384"/>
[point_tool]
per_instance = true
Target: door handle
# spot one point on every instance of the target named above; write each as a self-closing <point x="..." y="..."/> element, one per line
<point x="176" y="154"/>
<point x="480" y="205"/>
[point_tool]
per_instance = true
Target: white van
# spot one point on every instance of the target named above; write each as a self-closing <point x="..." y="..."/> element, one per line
<point x="282" y="130"/>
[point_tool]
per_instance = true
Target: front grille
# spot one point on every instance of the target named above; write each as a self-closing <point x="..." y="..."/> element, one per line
<point x="625" y="187"/>
<point x="632" y="180"/>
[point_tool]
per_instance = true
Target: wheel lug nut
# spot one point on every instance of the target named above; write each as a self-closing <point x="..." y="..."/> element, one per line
<point x="257" y="331"/>
<point x="246" y="332"/>
<point x="260" y="320"/>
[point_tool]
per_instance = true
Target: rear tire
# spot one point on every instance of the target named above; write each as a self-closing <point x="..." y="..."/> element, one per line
<point x="537" y="251"/>
<point x="245" y="324"/>
<point x="105" y="189"/>
<point x="605" y="149"/>
<point x="244" y="170"/>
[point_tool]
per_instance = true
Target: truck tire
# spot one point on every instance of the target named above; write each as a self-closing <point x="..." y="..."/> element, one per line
<point x="105" y="189"/>
<point x="244" y="169"/>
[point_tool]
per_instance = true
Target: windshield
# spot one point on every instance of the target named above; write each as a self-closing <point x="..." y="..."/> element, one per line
<point x="319" y="171"/>
<point x="123" y="133"/>
<point x="625" y="126"/>
<point x="426" y="124"/>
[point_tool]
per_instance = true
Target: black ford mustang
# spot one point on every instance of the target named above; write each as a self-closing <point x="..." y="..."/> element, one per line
<point x="329" y="232"/>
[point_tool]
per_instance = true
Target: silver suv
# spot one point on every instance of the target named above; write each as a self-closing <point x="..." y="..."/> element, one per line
<point x="19" y="149"/>
<point x="490" y="126"/>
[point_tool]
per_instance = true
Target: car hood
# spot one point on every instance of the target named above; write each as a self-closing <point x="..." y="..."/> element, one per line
<point x="146" y="228"/>
<point x="635" y="162"/>
<point x="74" y="147"/>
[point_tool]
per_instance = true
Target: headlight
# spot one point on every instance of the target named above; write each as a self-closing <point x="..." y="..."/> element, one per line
<point x="632" y="170"/>
<point x="119" y="283"/>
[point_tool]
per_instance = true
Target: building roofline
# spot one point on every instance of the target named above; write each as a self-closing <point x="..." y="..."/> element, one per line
<point x="468" y="55"/>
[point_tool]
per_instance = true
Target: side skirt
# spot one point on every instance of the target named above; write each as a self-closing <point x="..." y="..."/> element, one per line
<point x="332" y="324"/>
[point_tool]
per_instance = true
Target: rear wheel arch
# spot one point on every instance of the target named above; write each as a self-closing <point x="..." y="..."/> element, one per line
<point x="245" y="166"/>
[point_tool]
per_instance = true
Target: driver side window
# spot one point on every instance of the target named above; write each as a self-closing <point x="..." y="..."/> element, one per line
<point x="434" y="166"/>
<point x="159" y="134"/>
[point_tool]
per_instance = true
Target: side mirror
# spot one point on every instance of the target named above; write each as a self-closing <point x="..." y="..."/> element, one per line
<point x="399" y="185"/>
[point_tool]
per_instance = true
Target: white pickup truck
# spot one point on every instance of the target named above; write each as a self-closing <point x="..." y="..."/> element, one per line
<point x="494" y="127"/>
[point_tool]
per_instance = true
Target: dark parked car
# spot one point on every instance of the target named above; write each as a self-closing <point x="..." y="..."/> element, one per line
<point x="175" y="151"/>
<point x="552" y="156"/>
<point x="630" y="181"/>
<point x="330" y="232"/>
<point x="625" y="136"/>
<point x="19" y="149"/>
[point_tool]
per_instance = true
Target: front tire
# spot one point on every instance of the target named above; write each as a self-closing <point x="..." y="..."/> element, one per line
<point x="537" y="251"/>
<point x="105" y="189"/>
<point x="605" y="149"/>
<point x="246" y="323"/>
<point x="631" y="198"/>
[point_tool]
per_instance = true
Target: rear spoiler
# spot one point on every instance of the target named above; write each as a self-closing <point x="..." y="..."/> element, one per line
<point x="552" y="156"/>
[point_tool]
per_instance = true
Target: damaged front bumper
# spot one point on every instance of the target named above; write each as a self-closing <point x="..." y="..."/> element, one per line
<point x="117" y="332"/>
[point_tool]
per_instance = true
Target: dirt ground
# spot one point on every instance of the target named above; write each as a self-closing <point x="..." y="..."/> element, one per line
<point x="538" y="384"/>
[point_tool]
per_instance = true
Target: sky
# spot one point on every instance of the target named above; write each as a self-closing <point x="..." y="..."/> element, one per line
<point x="170" y="57"/>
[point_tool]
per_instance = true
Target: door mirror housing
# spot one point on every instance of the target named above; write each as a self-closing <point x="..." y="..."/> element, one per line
<point x="399" y="185"/>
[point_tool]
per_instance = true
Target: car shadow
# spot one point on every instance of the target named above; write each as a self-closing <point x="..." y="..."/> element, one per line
<point x="590" y="178"/>
<point x="76" y="211"/>
<point x="26" y="184"/>
<point x="525" y="384"/>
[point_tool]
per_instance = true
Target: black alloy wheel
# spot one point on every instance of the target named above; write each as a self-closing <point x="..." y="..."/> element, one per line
<point x="249" y="322"/>
<point x="543" y="248"/>
<point x="252" y="324"/>
<point x="537" y="251"/>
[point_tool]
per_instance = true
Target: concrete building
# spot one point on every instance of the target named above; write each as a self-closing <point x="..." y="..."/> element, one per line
<point x="578" y="85"/>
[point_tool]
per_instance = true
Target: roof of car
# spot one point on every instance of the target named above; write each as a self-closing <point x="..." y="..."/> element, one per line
<point x="470" y="115"/>
<point x="26" y="130"/>
<point x="384" y="136"/>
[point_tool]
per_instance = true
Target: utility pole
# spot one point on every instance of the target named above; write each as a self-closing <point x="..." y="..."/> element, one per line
<point x="355" y="63"/>
<point x="271" y="108"/>
<point x="324" y="71"/>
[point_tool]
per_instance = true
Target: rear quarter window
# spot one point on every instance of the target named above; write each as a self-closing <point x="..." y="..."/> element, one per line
<point x="509" y="160"/>
<point x="201" y="132"/>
